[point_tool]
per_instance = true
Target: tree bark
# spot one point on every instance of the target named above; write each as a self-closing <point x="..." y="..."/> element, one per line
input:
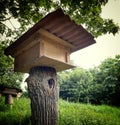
<point x="43" y="91"/>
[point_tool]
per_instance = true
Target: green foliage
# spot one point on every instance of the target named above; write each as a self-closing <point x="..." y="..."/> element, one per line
<point x="74" y="84"/>
<point x="106" y="82"/>
<point x="7" y="76"/>
<point x="110" y="74"/>
<point x="100" y="85"/>
<point x="25" y="94"/>
<point x="28" y="12"/>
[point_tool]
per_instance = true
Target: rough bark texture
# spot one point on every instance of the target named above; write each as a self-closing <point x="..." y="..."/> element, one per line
<point x="43" y="92"/>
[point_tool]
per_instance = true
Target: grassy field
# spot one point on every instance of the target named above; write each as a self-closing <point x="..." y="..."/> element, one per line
<point x="86" y="114"/>
<point x="69" y="113"/>
<point x="18" y="114"/>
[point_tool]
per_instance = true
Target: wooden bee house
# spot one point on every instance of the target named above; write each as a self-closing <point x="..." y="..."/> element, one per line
<point x="49" y="43"/>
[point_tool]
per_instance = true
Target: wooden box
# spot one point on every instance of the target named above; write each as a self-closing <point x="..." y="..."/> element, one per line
<point x="42" y="49"/>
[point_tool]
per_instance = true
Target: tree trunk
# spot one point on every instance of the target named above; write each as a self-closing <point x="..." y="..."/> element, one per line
<point x="43" y="92"/>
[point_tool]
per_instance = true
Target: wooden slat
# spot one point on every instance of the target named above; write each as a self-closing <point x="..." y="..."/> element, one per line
<point x="55" y="38"/>
<point x="45" y="61"/>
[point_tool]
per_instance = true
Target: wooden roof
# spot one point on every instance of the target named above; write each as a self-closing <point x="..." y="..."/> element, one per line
<point x="9" y="90"/>
<point x="2" y="88"/>
<point x="61" y="26"/>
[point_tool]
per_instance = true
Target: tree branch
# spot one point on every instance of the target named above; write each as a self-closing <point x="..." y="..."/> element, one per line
<point x="5" y="19"/>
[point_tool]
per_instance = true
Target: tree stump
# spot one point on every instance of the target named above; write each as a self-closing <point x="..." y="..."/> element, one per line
<point x="43" y="91"/>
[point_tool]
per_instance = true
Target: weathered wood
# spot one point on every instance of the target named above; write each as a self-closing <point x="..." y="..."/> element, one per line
<point x="8" y="99"/>
<point x="10" y="91"/>
<point x="43" y="91"/>
<point x="0" y="95"/>
<point x="44" y="61"/>
<point x="55" y="38"/>
<point x="42" y="46"/>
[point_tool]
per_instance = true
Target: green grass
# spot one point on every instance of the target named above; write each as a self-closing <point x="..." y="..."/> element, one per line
<point x="18" y="114"/>
<point x="87" y="114"/>
<point x="69" y="113"/>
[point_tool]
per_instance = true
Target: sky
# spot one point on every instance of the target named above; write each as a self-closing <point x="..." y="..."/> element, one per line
<point x="105" y="46"/>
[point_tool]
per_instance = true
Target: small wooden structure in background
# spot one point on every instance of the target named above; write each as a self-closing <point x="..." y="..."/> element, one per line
<point x="9" y="93"/>
<point x="43" y="50"/>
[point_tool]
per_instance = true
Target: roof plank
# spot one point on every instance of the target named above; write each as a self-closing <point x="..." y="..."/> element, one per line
<point x="60" y="26"/>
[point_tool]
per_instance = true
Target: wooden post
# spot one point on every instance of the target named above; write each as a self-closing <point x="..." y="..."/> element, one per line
<point x="9" y="99"/>
<point x="43" y="91"/>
